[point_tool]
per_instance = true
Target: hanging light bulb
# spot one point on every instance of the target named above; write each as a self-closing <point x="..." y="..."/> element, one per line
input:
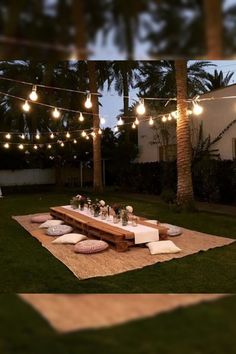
<point x="174" y="114"/>
<point x="116" y="129"/>
<point x="33" y="95"/>
<point x="81" y="117"/>
<point x="8" y="136"/>
<point x="21" y="147"/>
<point x="93" y="134"/>
<point x="62" y="144"/>
<point x="197" y="109"/>
<point x="141" y="107"/>
<point x="56" y="113"/>
<point x="87" y="137"/>
<point x="120" y="122"/>
<point x="68" y="135"/>
<point x="102" y="121"/>
<point x="190" y="112"/>
<point x="22" y="136"/>
<point x="151" y="122"/>
<point x="100" y="131"/>
<point x="88" y="102"/>
<point x="83" y="134"/>
<point x="75" y="141"/>
<point x="169" y="117"/>
<point x="49" y="146"/>
<point x="35" y="147"/>
<point x="136" y="121"/>
<point x="52" y="136"/>
<point x="164" y="119"/>
<point x="6" y="146"/>
<point x="133" y="125"/>
<point x="26" y="106"/>
<point x="37" y="136"/>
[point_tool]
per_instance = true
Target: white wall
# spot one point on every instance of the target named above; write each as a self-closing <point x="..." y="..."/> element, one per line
<point x="26" y="177"/>
<point x="147" y="152"/>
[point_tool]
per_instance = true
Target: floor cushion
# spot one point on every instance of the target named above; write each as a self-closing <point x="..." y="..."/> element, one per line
<point x="50" y="223"/>
<point x="59" y="230"/>
<point x="162" y="247"/>
<point x="172" y="230"/>
<point x="39" y="219"/>
<point x="72" y="239"/>
<point x="91" y="246"/>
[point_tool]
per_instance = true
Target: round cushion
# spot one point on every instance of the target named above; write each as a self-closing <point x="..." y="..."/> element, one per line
<point x="39" y="219"/>
<point x="59" y="230"/>
<point x="91" y="246"/>
<point x="172" y="230"/>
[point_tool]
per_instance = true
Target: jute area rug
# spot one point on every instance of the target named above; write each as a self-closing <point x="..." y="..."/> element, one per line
<point x="111" y="262"/>
<point x="77" y="312"/>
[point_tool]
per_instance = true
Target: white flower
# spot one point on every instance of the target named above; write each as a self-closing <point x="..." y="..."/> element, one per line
<point x="102" y="203"/>
<point x="129" y="209"/>
<point x="78" y="196"/>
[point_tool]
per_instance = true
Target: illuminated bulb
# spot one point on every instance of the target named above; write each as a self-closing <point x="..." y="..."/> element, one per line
<point x="197" y="109"/>
<point x="88" y="102"/>
<point x="75" y="141"/>
<point x="174" y="114"/>
<point x="87" y="137"/>
<point x="136" y="121"/>
<point x="100" y="131"/>
<point x="52" y="136"/>
<point x="56" y="114"/>
<point x="102" y="120"/>
<point x="151" y="122"/>
<point x="83" y="134"/>
<point x="26" y="106"/>
<point x="93" y="135"/>
<point x="81" y="117"/>
<point x="190" y="112"/>
<point x="33" y="95"/>
<point x="49" y="146"/>
<point x="141" y="108"/>
<point x="68" y="135"/>
<point x="6" y="146"/>
<point x="169" y="117"/>
<point x="21" y="146"/>
<point x="37" y="136"/>
<point x="120" y="121"/>
<point x="35" y="147"/>
<point x="164" y="119"/>
<point x="22" y="136"/>
<point x="133" y="125"/>
<point x="8" y="136"/>
<point x="116" y="129"/>
<point x="62" y="144"/>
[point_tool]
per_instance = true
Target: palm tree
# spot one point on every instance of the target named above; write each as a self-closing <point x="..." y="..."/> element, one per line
<point x="218" y="80"/>
<point x="184" y="151"/>
<point x="214" y="29"/>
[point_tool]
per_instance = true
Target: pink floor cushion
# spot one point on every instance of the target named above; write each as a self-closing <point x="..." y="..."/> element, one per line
<point x="59" y="230"/>
<point x="39" y="219"/>
<point x="91" y="246"/>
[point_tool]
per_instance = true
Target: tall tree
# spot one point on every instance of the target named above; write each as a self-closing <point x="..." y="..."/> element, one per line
<point x="218" y="80"/>
<point x="184" y="151"/>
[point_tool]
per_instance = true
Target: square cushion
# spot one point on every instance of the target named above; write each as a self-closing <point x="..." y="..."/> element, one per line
<point x="59" y="230"/>
<point x="163" y="247"/>
<point x="70" y="239"/>
<point x="50" y="223"/>
<point x="39" y="219"/>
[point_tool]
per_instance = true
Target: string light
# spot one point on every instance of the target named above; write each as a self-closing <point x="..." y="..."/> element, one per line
<point x="33" y="95"/>
<point x="136" y="121"/>
<point x="56" y="113"/>
<point x="52" y="136"/>
<point x="62" y="144"/>
<point x="6" y="146"/>
<point x="164" y="119"/>
<point x="75" y="141"/>
<point x="197" y="109"/>
<point x="21" y="147"/>
<point x="83" y="134"/>
<point x="102" y="121"/>
<point x="49" y="146"/>
<point x="68" y="135"/>
<point x="133" y="125"/>
<point x="88" y="102"/>
<point x="100" y="131"/>
<point x="151" y="122"/>
<point x="120" y="122"/>
<point x="8" y="136"/>
<point x="37" y="136"/>
<point x="87" y="137"/>
<point x="81" y="117"/>
<point x="141" y="107"/>
<point x="26" y="106"/>
<point x="169" y="117"/>
<point x="22" y="136"/>
<point x="174" y="114"/>
<point x="35" y="147"/>
<point x="93" y="134"/>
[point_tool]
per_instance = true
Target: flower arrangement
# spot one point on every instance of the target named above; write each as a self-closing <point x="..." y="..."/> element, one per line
<point x="129" y="209"/>
<point x="97" y="205"/>
<point x="117" y="209"/>
<point x="78" y="201"/>
<point x="124" y="216"/>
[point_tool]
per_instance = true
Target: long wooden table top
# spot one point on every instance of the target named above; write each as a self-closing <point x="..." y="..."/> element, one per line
<point x="100" y="225"/>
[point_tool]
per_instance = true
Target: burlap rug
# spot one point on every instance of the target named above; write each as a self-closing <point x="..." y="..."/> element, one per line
<point x="111" y="262"/>
<point x="77" y="312"/>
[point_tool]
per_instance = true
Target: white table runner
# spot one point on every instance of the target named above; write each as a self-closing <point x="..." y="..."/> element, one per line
<point x="142" y="233"/>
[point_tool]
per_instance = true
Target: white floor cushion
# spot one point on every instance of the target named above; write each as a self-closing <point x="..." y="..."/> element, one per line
<point x="59" y="230"/>
<point x="50" y="223"/>
<point x="172" y="229"/>
<point x="70" y="239"/>
<point x="163" y="247"/>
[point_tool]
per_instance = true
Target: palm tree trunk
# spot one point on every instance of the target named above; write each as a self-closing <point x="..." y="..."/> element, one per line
<point x="126" y="103"/>
<point x="97" y="159"/>
<point x="78" y="13"/>
<point x="184" y="152"/>
<point x="214" y="29"/>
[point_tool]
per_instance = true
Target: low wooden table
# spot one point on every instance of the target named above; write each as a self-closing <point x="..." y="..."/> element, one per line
<point x="120" y="239"/>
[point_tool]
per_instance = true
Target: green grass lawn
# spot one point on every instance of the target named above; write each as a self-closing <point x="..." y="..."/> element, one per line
<point x="202" y="328"/>
<point x="28" y="267"/>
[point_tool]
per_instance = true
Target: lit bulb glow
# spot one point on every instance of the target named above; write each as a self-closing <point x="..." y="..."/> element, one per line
<point x="164" y="119"/>
<point x="49" y="146"/>
<point x="68" y="135"/>
<point x="83" y="134"/>
<point x="81" y="117"/>
<point x="88" y="102"/>
<point x="133" y="125"/>
<point x="22" y="136"/>
<point x="197" y="109"/>
<point x="37" y="136"/>
<point x="87" y="137"/>
<point x="35" y="147"/>
<point x="26" y="106"/>
<point x="93" y="134"/>
<point x="136" y="121"/>
<point x="33" y="95"/>
<point x="21" y="146"/>
<point x="52" y="136"/>
<point x="56" y="113"/>
<point x="151" y="122"/>
<point x="175" y="114"/>
<point x="169" y="117"/>
<point x="8" y="136"/>
<point x="100" y="131"/>
<point x="6" y="146"/>
<point x="62" y="144"/>
<point x="103" y="121"/>
<point x="141" y="108"/>
<point x="75" y="141"/>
